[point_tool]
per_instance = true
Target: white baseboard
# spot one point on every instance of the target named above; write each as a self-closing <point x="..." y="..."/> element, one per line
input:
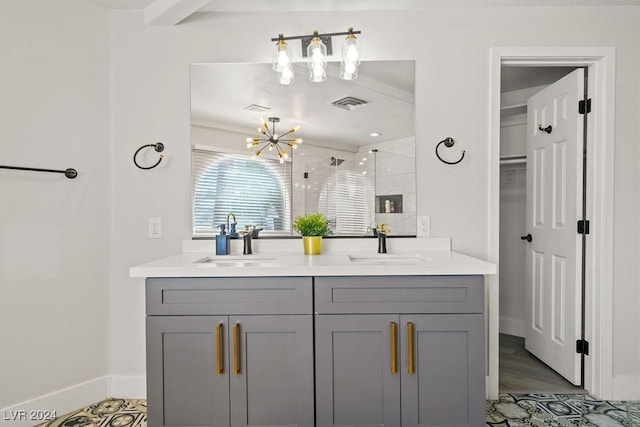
<point x="128" y="386"/>
<point x="626" y="388"/>
<point x="511" y="326"/>
<point x="55" y="404"/>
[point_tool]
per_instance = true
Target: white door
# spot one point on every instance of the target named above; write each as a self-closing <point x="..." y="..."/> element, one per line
<point x="554" y="205"/>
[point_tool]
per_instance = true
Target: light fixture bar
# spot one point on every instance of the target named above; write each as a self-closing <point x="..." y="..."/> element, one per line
<point x="309" y="36"/>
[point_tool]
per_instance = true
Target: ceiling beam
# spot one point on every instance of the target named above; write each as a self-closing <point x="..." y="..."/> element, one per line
<point x="171" y="12"/>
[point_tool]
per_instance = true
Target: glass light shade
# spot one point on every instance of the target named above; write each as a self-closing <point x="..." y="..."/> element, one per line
<point x="317" y="60"/>
<point x="318" y="74"/>
<point x="281" y="56"/>
<point x="348" y="71"/>
<point x="351" y="50"/>
<point x="286" y="76"/>
<point x="350" y="58"/>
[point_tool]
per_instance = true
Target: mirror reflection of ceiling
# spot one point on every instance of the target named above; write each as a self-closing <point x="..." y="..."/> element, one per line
<point x="221" y="93"/>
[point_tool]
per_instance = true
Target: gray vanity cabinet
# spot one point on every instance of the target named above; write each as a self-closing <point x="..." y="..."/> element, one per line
<point x="184" y="388"/>
<point x="446" y="386"/>
<point x="399" y="366"/>
<point x="355" y="385"/>
<point x="207" y="366"/>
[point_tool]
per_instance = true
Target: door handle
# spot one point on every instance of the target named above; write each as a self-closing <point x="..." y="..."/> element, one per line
<point x="528" y="238"/>
<point x="548" y="129"/>
<point x="394" y="351"/>
<point x="236" y="348"/>
<point x="410" y="347"/>
<point x="219" y="369"/>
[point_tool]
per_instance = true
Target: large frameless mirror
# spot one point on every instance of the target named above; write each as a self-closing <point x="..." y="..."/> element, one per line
<point x="356" y="163"/>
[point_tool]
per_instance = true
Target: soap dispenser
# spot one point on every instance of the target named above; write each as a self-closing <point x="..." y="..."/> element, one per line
<point x="223" y="246"/>
<point x="233" y="234"/>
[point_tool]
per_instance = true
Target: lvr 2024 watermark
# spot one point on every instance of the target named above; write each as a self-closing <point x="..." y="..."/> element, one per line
<point x="29" y="415"/>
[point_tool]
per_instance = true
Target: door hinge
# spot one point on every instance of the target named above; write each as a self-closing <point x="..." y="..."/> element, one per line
<point x="584" y="106"/>
<point x="583" y="226"/>
<point x="582" y="347"/>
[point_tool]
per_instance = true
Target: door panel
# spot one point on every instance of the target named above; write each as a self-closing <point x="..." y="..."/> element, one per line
<point x="184" y="385"/>
<point x="355" y="385"/>
<point x="447" y="385"/>
<point x="273" y="385"/>
<point x="554" y="200"/>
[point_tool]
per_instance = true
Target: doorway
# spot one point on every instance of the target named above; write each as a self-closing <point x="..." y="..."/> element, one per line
<point x="522" y="366"/>
<point x="598" y="272"/>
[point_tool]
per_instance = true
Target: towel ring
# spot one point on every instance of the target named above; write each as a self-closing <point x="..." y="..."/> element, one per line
<point x="448" y="142"/>
<point x="159" y="147"/>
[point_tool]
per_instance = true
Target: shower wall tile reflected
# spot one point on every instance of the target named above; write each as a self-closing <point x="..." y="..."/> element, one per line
<point x="396" y="174"/>
<point x="389" y="171"/>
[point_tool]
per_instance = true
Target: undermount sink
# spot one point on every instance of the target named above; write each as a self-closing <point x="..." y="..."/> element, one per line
<point x="388" y="259"/>
<point x="230" y="261"/>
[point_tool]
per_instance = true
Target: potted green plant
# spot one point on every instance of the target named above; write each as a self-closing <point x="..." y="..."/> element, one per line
<point x="312" y="227"/>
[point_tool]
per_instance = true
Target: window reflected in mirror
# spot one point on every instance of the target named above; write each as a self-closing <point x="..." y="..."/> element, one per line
<point x="256" y="191"/>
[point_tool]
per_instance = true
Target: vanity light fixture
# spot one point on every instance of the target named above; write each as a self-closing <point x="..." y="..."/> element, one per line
<point x="317" y="59"/>
<point x="282" y="62"/>
<point x="272" y="140"/>
<point x="316" y="48"/>
<point x="350" y="57"/>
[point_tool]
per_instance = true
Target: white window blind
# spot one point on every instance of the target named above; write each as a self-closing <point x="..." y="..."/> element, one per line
<point x="347" y="200"/>
<point x="257" y="191"/>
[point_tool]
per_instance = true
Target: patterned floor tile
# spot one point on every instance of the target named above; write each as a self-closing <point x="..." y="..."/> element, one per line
<point x="598" y="413"/>
<point x="108" y="413"/>
<point x="510" y="410"/>
<point x="634" y="413"/>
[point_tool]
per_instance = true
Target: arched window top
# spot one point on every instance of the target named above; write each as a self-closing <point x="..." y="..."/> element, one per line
<point x="257" y="191"/>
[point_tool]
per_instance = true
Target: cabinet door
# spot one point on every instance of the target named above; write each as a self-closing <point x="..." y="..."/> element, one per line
<point x="355" y="382"/>
<point x="446" y="385"/>
<point x="271" y="379"/>
<point x="187" y="371"/>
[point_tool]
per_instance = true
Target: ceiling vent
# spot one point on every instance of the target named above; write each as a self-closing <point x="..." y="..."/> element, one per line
<point x="256" y="108"/>
<point x="349" y="103"/>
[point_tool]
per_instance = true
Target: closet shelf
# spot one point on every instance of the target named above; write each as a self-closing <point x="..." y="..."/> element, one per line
<point x="512" y="110"/>
<point x="513" y="159"/>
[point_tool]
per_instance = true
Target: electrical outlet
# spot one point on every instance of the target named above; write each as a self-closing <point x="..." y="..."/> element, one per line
<point x="155" y="228"/>
<point x="424" y="226"/>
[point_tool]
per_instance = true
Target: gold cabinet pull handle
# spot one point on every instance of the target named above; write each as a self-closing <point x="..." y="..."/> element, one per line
<point x="410" y="347"/>
<point x="219" y="369"/>
<point x="236" y="350"/>
<point x="394" y="337"/>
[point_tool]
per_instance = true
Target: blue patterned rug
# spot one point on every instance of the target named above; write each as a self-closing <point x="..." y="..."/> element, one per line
<point x="108" y="413"/>
<point x="562" y="410"/>
<point x="510" y="410"/>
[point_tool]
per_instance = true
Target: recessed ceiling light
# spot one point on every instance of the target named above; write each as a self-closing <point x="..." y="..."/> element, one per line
<point x="375" y="134"/>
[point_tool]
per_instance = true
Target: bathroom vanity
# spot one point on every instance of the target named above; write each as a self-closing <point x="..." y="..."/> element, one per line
<point x="327" y="340"/>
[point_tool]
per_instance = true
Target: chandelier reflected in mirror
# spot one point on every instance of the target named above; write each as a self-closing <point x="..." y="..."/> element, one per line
<point x="271" y="140"/>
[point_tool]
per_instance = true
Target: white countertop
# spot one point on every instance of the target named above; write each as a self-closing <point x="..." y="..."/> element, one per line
<point x="415" y="261"/>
